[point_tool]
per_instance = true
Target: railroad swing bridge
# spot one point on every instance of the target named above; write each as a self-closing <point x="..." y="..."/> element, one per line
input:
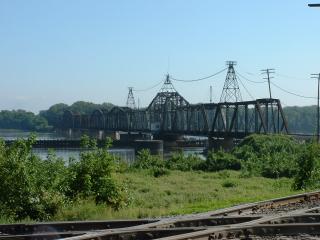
<point x="237" y="120"/>
<point x="170" y="113"/>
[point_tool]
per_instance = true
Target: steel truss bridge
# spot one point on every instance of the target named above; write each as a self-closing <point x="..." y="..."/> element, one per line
<point x="170" y="113"/>
<point x="237" y="120"/>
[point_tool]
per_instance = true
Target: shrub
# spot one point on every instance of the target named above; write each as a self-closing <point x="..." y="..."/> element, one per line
<point x="159" y="171"/>
<point x="308" y="161"/>
<point x="268" y="155"/>
<point x="183" y="163"/>
<point x="25" y="191"/>
<point x="36" y="189"/>
<point x="220" y="160"/>
<point x="92" y="176"/>
<point x="228" y="184"/>
<point x="145" y="160"/>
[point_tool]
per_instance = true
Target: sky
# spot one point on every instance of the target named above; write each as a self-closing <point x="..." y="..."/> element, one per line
<point x="58" y="51"/>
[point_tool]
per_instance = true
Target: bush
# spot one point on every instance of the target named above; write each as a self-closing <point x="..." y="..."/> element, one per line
<point x="220" y="160"/>
<point x="145" y="160"/>
<point x="92" y="176"/>
<point x="228" y="184"/>
<point x="183" y="163"/>
<point x="308" y="161"/>
<point x="36" y="189"/>
<point x="158" y="172"/>
<point x="270" y="156"/>
<point x="25" y="189"/>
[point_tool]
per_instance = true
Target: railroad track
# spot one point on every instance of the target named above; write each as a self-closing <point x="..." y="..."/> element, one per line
<point x="292" y="217"/>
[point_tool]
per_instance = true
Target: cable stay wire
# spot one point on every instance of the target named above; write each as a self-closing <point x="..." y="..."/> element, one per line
<point x="249" y="80"/>
<point x="149" y="88"/>
<point x="292" y="93"/>
<point x="245" y="89"/>
<point x="199" y="79"/>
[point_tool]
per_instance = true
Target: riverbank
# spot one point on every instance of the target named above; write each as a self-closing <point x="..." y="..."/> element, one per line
<point x="180" y="193"/>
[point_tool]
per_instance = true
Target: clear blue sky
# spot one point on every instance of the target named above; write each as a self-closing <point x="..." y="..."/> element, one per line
<point x="55" y="51"/>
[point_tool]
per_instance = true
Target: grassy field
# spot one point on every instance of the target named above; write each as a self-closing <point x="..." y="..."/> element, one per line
<point x="181" y="193"/>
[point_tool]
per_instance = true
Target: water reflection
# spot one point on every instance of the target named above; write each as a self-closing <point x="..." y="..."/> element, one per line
<point x="127" y="154"/>
<point x="8" y="134"/>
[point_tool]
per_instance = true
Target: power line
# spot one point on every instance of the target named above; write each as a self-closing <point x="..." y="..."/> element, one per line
<point x="199" y="79"/>
<point x="289" y="77"/>
<point x="245" y="88"/>
<point x="149" y="88"/>
<point x="249" y="80"/>
<point x="292" y="93"/>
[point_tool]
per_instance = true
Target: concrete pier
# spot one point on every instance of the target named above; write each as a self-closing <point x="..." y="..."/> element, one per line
<point x="155" y="146"/>
<point x="226" y="144"/>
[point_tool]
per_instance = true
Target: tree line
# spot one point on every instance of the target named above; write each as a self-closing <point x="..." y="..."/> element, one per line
<point x="45" y="120"/>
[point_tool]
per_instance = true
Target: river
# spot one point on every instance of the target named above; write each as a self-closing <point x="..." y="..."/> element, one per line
<point x="128" y="154"/>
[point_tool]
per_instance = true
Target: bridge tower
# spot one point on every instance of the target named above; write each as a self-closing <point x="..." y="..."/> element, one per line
<point x="163" y="109"/>
<point x="131" y="103"/>
<point x="231" y="91"/>
<point x="167" y="98"/>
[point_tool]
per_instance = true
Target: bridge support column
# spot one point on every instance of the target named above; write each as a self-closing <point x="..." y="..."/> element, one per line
<point x="169" y="140"/>
<point x="66" y="132"/>
<point x="155" y="146"/>
<point x="226" y="144"/>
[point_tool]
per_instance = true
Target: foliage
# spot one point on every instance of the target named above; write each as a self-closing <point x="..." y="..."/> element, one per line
<point x="20" y="119"/>
<point x="37" y="189"/>
<point x="54" y="113"/>
<point x="183" y="163"/>
<point x="159" y="167"/>
<point x="268" y="155"/>
<point x="26" y="189"/>
<point x="92" y="176"/>
<point x="159" y="171"/>
<point x="145" y="160"/>
<point x="308" y="161"/>
<point x="87" y="142"/>
<point x="228" y="184"/>
<point x="180" y="193"/>
<point x="221" y="160"/>
<point x="301" y="119"/>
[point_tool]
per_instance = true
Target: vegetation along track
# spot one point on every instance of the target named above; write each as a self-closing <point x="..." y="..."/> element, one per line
<point x="292" y="217"/>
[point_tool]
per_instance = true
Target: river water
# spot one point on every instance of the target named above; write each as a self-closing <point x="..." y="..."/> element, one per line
<point x="127" y="154"/>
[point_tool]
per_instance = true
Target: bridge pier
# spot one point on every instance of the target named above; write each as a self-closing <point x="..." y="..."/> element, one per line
<point x="169" y="139"/>
<point x="155" y="146"/>
<point x="226" y="144"/>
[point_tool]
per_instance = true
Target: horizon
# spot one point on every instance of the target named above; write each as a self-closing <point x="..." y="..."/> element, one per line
<point x="63" y="52"/>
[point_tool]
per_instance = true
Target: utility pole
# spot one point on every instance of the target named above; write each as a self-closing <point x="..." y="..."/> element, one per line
<point x="210" y="94"/>
<point x="317" y="76"/>
<point x="268" y="72"/>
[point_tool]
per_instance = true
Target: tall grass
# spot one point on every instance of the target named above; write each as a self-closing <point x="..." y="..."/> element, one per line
<point x="180" y="193"/>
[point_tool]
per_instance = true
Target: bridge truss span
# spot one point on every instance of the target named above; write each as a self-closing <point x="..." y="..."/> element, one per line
<point x="225" y="119"/>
